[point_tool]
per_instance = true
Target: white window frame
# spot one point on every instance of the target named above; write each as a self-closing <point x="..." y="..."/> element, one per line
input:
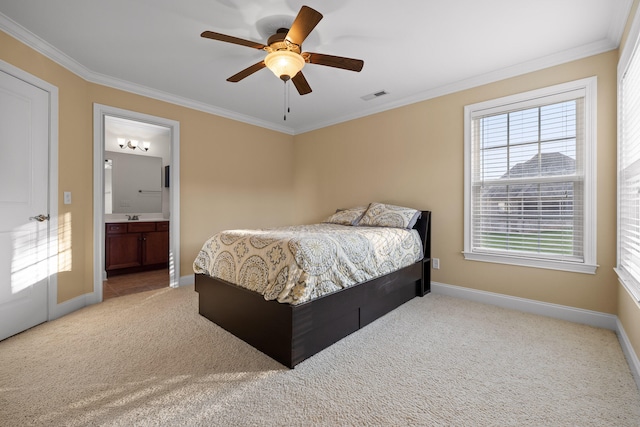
<point x="588" y="86"/>
<point x="631" y="47"/>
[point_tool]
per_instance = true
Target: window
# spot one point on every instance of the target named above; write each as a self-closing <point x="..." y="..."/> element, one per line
<point x="628" y="267"/>
<point x="529" y="178"/>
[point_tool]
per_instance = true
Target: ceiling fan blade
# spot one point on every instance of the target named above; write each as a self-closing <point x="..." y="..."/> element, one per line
<point x="335" y="61"/>
<point x="231" y="39"/>
<point x="301" y="84"/>
<point x="304" y="23"/>
<point x="246" y="72"/>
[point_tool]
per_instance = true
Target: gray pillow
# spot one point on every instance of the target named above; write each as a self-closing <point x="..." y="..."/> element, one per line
<point x="383" y="215"/>
<point x="346" y="216"/>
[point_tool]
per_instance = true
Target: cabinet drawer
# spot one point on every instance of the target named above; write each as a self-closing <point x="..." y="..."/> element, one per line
<point x="141" y="227"/>
<point x="162" y="226"/>
<point x="116" y="228"/>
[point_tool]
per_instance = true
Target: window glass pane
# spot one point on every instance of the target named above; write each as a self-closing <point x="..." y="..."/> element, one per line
<point x="560" y="157"/>
<point x="558" y="120"/>
<point x="523" y="126"/>
<point x="494" y="131"/>
<point x="524" y="161"/>
<point x="493" y="164"/>
<point x="536" y="218"/>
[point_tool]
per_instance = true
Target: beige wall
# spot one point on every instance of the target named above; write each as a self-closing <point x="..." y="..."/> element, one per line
<point x="232" y="174"/>
<point x="628" y="307"/>
<point x="413" y="156"/>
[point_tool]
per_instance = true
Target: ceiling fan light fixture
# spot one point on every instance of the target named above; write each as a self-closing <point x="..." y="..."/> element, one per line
<point x="284" y="63"/>
<point x="285" y="57"/>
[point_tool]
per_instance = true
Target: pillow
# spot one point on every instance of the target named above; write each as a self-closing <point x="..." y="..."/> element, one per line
<point x="346" y="216"/>
<point x="382" y="215"/>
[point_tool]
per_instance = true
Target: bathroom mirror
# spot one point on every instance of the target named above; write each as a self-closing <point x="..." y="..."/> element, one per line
<point x="133" y="184"/>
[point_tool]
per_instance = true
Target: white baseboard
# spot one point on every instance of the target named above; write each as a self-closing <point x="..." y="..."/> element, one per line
<point x="629" y="354"/>
<point x="69" y="306"/>
<point x="187" y="280"/>
<point x="556" y="311"/>
<point x="572" y="314"/>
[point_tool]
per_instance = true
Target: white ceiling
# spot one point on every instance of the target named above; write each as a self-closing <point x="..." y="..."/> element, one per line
<point x="412" y="49"/>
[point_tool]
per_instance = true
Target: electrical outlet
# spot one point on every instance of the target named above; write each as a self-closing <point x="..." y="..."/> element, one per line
<point x="67" y="197"/>
<point x="435" y="262"/>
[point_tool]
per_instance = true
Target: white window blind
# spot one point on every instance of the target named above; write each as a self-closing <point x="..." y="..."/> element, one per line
<point x="629" y="177"/>
<point x="527" y="174"/>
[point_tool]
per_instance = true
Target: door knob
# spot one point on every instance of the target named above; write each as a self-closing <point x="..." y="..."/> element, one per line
<point x="40" y="217"/>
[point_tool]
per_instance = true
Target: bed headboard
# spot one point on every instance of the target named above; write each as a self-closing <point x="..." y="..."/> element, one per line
<point x="423" y="225"/>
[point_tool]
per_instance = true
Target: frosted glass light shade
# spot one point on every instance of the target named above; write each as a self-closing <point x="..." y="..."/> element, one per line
<point x="284" y="64"/>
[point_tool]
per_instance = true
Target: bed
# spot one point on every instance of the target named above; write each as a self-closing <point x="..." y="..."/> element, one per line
<point x="292" y="329"/>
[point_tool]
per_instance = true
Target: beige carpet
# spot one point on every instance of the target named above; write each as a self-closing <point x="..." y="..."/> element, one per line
<point x="150" y="359"/>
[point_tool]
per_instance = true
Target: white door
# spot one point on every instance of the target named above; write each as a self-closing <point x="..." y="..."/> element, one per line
<point x="24" y="157"/>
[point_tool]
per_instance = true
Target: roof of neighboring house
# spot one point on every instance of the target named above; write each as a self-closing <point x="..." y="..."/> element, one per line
<point x="541" y="164"/>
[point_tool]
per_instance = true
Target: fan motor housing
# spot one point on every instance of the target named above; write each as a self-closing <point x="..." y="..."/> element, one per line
<point x="278" y="41"/>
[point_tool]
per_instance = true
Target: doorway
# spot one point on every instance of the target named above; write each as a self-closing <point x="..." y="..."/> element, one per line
<point x="136" y="129"/>
<point x="28" y="200"/>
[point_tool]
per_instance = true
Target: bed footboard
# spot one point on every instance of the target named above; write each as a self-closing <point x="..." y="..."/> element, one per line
<point x="293" y="333"/>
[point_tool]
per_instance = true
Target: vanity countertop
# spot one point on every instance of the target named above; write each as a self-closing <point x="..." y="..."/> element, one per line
<point x="142" y="219"/>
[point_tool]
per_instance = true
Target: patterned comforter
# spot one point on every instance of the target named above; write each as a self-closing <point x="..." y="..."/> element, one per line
<point x="299" y="263"/>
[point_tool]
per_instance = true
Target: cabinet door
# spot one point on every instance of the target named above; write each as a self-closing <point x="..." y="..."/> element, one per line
<point x="156" y="247"/>
<point x="123" y="250"/>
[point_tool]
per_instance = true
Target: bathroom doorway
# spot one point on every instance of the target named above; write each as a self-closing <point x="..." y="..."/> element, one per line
<point x="125" y="143"/>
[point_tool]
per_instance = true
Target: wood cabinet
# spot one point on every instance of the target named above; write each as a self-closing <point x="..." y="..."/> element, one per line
<point x="136" y="246"/>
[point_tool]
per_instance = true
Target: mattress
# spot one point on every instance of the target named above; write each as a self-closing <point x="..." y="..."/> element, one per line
<point x="296" y="264"/>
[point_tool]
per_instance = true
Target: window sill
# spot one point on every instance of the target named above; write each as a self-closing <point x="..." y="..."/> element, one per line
<point x="573" y="267"/>
<point x="628" y="284"/>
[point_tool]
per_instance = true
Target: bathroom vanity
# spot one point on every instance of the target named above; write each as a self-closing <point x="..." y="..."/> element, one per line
<point x="134" y="246"/>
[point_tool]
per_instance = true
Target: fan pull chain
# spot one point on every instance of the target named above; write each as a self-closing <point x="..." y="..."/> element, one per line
<point x="287" y="109"/>
<point x="288" y="98"/>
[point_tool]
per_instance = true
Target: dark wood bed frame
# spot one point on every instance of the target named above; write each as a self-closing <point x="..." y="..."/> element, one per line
<point x="292" y="333"/>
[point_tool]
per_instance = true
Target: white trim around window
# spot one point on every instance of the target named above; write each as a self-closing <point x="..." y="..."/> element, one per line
<point x="584" y="89"/>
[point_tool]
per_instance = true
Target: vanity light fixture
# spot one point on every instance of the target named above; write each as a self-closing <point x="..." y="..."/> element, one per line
<point x="133" y="144"/>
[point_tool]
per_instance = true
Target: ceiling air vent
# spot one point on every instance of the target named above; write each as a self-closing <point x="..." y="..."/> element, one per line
<point x="375" y="95"/>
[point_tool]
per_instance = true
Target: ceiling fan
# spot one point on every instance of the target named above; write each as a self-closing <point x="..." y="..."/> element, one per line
<point x="285" y="57"/>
